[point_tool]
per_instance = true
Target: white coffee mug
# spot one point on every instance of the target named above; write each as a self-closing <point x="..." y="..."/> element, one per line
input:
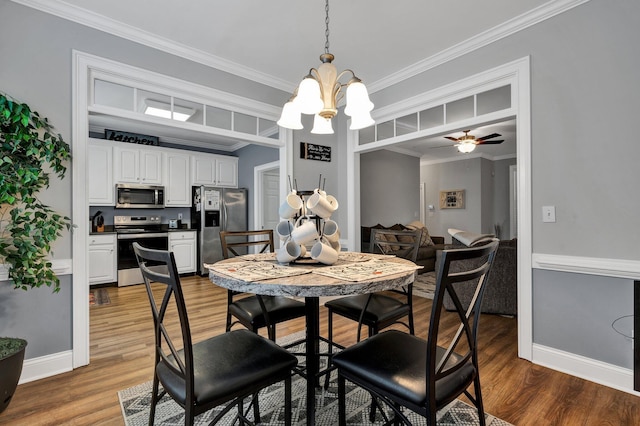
<point x="331" y="231"/>
<point x="288" y="252"/>
<point x="283" y="229"/>
<point x="304" y="232"/>
<point x="333" y="201"/>
<point x="320" y="206"/>
<point x="336" y="245"/>
<point x="291" y="206"/>
<point x="324" y="253"/>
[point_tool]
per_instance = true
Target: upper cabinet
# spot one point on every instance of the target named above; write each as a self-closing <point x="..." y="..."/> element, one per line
<point x="135" y="165"/>
<point x="214" y="170"/>
<point x="100" y="173"/>
<point x="177" y="180"/>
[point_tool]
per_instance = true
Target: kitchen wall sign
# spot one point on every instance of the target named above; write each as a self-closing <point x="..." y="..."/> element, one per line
<point x="309" y="151"/>
<point x="117" y="135"/>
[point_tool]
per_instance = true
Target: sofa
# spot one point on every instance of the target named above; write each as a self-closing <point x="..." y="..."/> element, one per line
<point x="501" y="293"/>
<point x="426" y="253"/>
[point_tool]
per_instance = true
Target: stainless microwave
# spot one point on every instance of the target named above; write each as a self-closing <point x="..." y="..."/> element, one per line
<point x="131" y="196"/>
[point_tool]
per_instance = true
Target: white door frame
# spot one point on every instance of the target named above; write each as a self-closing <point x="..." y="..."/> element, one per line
<point x="82" y="64"/>
<point x="258" y="195"/>
<point x="517" y="75"/>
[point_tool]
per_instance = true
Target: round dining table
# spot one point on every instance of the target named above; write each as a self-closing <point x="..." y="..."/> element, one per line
<point x="312" y="285"/>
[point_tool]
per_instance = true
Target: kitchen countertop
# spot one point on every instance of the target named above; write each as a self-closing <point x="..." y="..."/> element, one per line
<point x="109" y="229"/>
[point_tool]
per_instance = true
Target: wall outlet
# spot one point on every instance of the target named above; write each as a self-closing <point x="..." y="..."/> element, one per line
<point x="179" y="216"/>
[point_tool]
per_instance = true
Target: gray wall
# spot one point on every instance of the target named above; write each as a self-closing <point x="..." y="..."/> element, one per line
<point x="501" y="206"/>
<point x="249" y="157"/>
<point x="37" y="70"/>
<point x="584" y="86"/>
<point x="389" y="188"/>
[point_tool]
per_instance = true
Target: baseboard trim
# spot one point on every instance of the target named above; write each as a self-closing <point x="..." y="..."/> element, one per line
<point x="586" y="368"/>
<point x="46" y="366"/>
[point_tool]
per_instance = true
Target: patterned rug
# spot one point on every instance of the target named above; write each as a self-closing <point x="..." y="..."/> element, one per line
<point x="425" y="285"/>
<point x="135" y="401"/>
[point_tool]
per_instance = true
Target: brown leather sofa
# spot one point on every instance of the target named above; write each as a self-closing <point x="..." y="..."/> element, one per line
<point x="426" y="254"/>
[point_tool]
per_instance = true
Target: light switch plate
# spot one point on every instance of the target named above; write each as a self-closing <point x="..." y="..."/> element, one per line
<point x="548" y="213"/>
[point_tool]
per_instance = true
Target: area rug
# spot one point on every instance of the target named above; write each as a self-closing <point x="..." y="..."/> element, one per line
<point x="135" y="401"/>
<point x="98" y="297"/>
<point x="425" y="285"/>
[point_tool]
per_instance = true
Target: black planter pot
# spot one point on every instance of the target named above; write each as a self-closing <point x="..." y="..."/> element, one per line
<point x="10" y="370"/>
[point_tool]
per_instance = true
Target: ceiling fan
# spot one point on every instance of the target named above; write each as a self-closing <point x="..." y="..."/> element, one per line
<point x="467" y="143"/>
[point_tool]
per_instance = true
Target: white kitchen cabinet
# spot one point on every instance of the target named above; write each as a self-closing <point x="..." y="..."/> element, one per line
<point x="214" y="170"/>
<point x="136" y="165"/>
<point x="100" y="173"/>
<point x="103" y="259"/>
<point x="183" y="246"/>
<point x="177" y="180"/>
<point x="227" y="171"/>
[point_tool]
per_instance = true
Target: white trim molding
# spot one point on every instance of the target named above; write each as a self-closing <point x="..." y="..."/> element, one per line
<point x="59" y="267"/>
<point x="585" y="368"/>
<point x="46" y="366"/>
<point x="128" y="32"/>
<point x="615" y="268"/>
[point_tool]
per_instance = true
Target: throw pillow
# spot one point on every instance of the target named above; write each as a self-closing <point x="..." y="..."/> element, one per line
<point x="426" y="240"/>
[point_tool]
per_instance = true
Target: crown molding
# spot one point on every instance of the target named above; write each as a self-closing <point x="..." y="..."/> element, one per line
<point x="110" y="26"/>
<point x="505" y="29"/>
<point x="462" y="157"/>
<point x="93" y="20"/>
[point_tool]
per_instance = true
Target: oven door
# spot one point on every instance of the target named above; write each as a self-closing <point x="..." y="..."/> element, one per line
<point x="128" y="271"/>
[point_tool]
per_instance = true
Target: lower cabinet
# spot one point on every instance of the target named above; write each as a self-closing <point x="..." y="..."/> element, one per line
<point x="103" y="259"/>
<point x="183" y="246"/>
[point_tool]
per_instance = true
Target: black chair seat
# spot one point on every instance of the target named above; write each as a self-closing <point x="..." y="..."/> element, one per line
<point x="402" y="371"/>
<point x="279" y="309"/>
<point x="381" y="309"/>
<point x="220" y="374"/>
<point x="395" y="363"/>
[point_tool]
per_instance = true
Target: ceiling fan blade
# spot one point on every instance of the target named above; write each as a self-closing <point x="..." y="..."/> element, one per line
<point x="489" y="142"/>
<point x="442" y="146"/>
<point x="492" y="135"/>
<point x="452" y="139"/>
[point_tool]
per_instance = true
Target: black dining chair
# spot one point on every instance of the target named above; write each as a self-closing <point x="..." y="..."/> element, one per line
<point x="221" y="370"/>
<point x="255" y="311"/>
<point x="378" y="310"/>
<point x="401" y="370"/>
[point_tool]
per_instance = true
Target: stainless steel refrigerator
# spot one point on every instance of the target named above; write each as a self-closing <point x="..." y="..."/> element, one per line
<point x="214" y="210"/>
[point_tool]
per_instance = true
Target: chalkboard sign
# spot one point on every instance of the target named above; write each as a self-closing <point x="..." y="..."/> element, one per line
<point x="309" y="151"/>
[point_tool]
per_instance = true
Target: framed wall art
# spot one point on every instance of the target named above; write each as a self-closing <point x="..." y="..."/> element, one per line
<point x="452" y="199"/>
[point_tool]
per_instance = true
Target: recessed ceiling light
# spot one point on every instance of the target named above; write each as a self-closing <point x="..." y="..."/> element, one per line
<point x="163" y="109"/>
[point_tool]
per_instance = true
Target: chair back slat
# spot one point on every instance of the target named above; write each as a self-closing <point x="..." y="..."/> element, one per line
<point x="159" y="267"/>
<point x="472" y="267"/>
<point x="235" y="243"/>
<point x="402" y="243"/>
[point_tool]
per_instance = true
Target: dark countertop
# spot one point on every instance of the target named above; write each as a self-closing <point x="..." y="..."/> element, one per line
<point x="109" y="229"/>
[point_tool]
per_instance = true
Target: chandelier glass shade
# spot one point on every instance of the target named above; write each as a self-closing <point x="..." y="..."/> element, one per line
<point x="320" y="92"/>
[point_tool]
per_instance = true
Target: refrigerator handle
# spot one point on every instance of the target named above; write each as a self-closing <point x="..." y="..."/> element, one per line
<point x="224" y="211"/>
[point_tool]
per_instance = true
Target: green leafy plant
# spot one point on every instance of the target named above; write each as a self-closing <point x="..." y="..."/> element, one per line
<point x="30" y="151"/>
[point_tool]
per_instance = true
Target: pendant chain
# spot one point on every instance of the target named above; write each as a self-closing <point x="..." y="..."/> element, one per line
<point x="326" y="31"/>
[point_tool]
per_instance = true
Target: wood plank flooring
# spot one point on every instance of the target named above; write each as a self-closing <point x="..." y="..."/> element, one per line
<point x="122" y="356"/>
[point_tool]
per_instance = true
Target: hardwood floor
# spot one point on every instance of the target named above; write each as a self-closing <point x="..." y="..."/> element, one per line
<point x="122" y="350"/>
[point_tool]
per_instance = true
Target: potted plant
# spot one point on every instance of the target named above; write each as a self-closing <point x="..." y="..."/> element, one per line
<point x="11" y="357"/>
<point x="29" y="151"/>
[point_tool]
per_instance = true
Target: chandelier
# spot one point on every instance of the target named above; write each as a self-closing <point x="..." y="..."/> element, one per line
<point x="320" y="92"/>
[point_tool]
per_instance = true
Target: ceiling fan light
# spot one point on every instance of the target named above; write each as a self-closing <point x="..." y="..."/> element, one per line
<point x="291" y="117"/>
<point x="322" y="126"/>
<point x="357" y="99"/>
<point x="466" y="147"/>
<point x="361" y="120"/>
<point x="309" y="100"/>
